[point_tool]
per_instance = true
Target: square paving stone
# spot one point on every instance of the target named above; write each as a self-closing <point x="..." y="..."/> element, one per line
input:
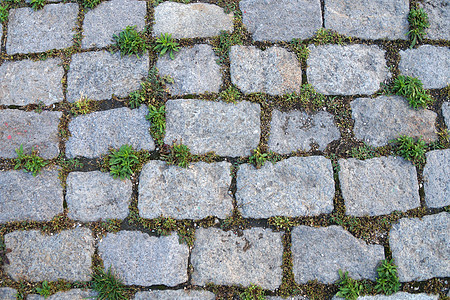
<point x="439" y="17"/>
<point x="396" y="296"/>
<point x="436" y="177"/>
<point x="275" y="71"/>
<point x="224" y="258"/>
<point x="7" y="293"/>
<point x="140" y="259"/>
<point x="32" y="31"/>
<point x="378" y="186"/>
<point x="281" y="20"/>
<point x="192" y="193"/>
<point x="75" y="294"/>
<point x="227" y="129"/>
<point x="446" y="113"/>
<point x="99" y="75"/>
<point x="176" y="295"/>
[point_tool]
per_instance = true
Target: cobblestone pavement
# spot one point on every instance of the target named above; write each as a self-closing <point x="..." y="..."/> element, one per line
<point x="265" y="154"/>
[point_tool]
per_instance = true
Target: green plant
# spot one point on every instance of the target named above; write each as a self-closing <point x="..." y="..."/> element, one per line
<point x="157" y="118"/>
<point x="411" y="150"/>
<point x="326" y="36"/>
<point x="253" y="292"/>
<point x="387" y="281"/>
<point x="107" y="285"/>
<point x="44" y="290"/>
<point x="300" y="49"/>
<point x="178" y="154"/>
<point x="348" y="287"/>
<point x="37" y="4"/>
<point x="4" y="12"/>
<point x="130" y="42"/>
<point x="165" y="44"/>
<point x="223" y="43"/>
<point x="418" y="22"/>
<point x="91" y="3"/>
<point x="412" y="89"/>
<point x="30" y="163"/>
<point x="281" y="223"/>
<point x="83" y="106"/>
<point x="363" y="152"/>
<point x="122" y="162"/>
<point x="308" y="98"/>
<point x="259" y="158"/>
<point x="164" y="226"/>
<point x="230" y="95"/>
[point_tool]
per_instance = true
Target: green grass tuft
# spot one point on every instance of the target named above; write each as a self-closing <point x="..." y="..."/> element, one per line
<point x="412" y="89"/>
<point x="165" y="44"/>
<point x="4" y="12"/>
<point x="122" y="162"/>
<point x="44" y="290"/>
<point x="363" y="152"/>
<point x="348" y="287"/>
<point x="326" y="36"/>
<point x="411" y="150"/>
<point x="157" y="118"/>
<point x="259" y="158"/>
<point x="253" y="292"/>
<point x="281" y="223"/>
<point x="179" y="155"/>
<point x="223" y="43"/>
<point x="418" y="22"/>
<point x="107" y="285"/>
<point x="387" y="281"/>
<point x="130" y="42"/>
<point x="37" y="4"/>
<point x="300" y="49"/>
<point x="91" y="3"/>
<point x="230" y="95"/>
<point x="30" y="163"/>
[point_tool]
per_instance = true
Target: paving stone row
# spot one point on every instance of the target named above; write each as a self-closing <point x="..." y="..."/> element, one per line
<point x="397" y="296"/>
<point x="75" y="294"/>
<point x="175" y="294"/>
<point x="436" y="178"/>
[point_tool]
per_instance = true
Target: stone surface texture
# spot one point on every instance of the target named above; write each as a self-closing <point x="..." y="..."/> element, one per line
<point x="176" y="295"/>
<point x="396" y="296"/>
<point x="446" y="113"/>
<point x="75" y="294"/>
<point x="438" y="12"/>
<point x="286" y="298"/>
<point x="436" y="178"/>
<point x="7" y="293"/>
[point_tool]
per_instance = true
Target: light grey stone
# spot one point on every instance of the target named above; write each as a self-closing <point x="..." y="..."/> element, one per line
<point x="420" y="247"/>
<point x="224" y="258"/>
<point x="38" y="31"/>
<point x="385" y="118"/>
<point x="436" y="177"/>
<point x="368" y="19"/>
<point x="93" y="134"/>
<point x="194" y="70"/>
<point x="287" y="298"/>
<point x="192" y="193"/>
<point x="274" y="71"/>
<point x="92" y="196"/>
<point x="446" y="113"/>
<point x="175" y="295"/>
<point x="140" y="259"/>
<point x="297" y="186"/>
<point x="346" y="70"/>
<point x="110" y="18"/>
<point x="378" y="186"/>
<point x="439" y="17"/>
<point x="75" y="294"/>
<point x="191" y="20"/>
<point x="430" y="64"/>
<point x="7" y="293"/>
<point x="297" y="130"/>
<point x="30" y="129"/>
<point x="99" y="75"/>
<point x="319" y="253"/>
<point x="396" y="296"/>
<point x="281" y="20"/>
<point x="25" y="82"/>
<point x="225" y="128"/>
<point x="25" y="197"/>
<point x="37" y="257"/>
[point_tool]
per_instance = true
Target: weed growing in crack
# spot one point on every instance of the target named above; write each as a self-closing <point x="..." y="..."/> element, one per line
<point x="223" y="43"/>
<point x="157" y="118"/>
<point x="107" y="285"/>
<point x="122" y="162"/>
<point x="165" y="44"/>
<point x="152" y="91"/>
<point x="83" y="106"/>
<point x="281" y="223"/>
<point x="37" y="4"/>
<point x="30" y="163"/>
<point x="130" y="42"/>
<point x="410" y="149"/>
<point x="326" y="36"/>
<point x="259" y="158"/>
<point x="164" y="226"/>
<point x="300" y="49"/>
<point x="230" y="95"/>
<point x="418" y="22"/>
<point x="91" y="3"/>
<point x="4" y="12"/>
<point x="178" y="154"/>
<point x="387" y="281"/>
<point x="44" y="290"/>
<point x="363" y="152"/>
<point x="412" y="89"/>
<point x="308" y="98"/>
<point x="253" y="292"/>
<point x="348" y="287"/>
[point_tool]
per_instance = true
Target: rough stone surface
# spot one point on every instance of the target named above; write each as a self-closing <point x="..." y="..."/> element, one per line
<point x="25" y="197"/>
<point x="318" y="253"/>
<point x="396" y="296"/>
<point x="29" y="129"/>
<point x="297" y="186"/>
<point x="297" y="130"/>
<point x="75" y="294"/>
<point x="288" y="298"/>
<point x="420" y="247"/>
<point x="223" y="258"/>
<point x="37" y="257"/>
<point x="346" y="70"/>
<point x="204" y="126"/>
<point x="191" y="20"/>
<point x="99" y="75"/>
<point x="192" y="193"/>
<point x="446" y="113"/>
<point x="382" y="119"/>
<point x="378" y="186"/>
<point x="176" y="295"/>
<point x="368" y="19"/>
<point x="38" y="31"/>
<point x="25" y="82"/>
<point x="431" y="64"/>
<point x="92" y="196"/>
<point x="281" y="20"/>
<point x="7" y="293"/>
<point x="439" y="17"/>
<point x="436" y="177"/>
<point x="194" y="70"/>
<point x="274" y="71"/>
<point x="95" y="133"/>
<point x="140" y="259"/>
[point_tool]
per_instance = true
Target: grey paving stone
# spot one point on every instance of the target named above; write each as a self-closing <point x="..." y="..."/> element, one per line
<point x="95" y="195"/>
<point x="281" y="20"/>
<point x="140" y="259"/>
<point x="37" y="257"/>
<point x="297" y="130"/>
<point x="192" y="193"/>
<point x="32" y="31"/>
<point x="297" y="186"/>
<point x="225" y="128"/>
<point x="318" y="253"/>
<point x="1" y="33"/>
<point x="431" y="64"/>
<point x="99" y="75"/>
<point x="378" y="186"/>
<point x="436" y="178"/>
<point x="439" y="17"/>
<point x="191" y="20"/>
<point x="29" y="129"/>
<point x="175" y="295"/>
<point x="346" y="70"/>
<point x="288" y="298"/>
<point x="385" y="118"/>
<point x="7" y="293"/>
<point x="25" y="82"/>
<point x="397" y="296"/>
<point x="368" y="19"/>
<point x="109" y="18"/>
<point x="21" y="200"/>
<point x="275" y="71"/>
<point x="75" y="294"/>
<point x="446" y="113"/>
<point x="194" y="70"/>
<point x="224" y="258"/>
<point x="420" y="247"/>
<point x="95" y="133"/>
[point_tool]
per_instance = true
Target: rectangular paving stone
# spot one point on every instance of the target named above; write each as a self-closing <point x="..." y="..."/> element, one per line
<point x="224" y="258"/>
<point x="297" y="186"/>
<point x="26" y="82"/>
<point x="346" y="70"/>
<point x="438" y="12"/>
<point x="436" y="178"/>
<point x="378" y="186"/>
<point x="140" y="259"/>
<point x="93" y="134"/>
<point x="37" y="257"/>
<point x="99" y="75"/>
<point x="175" y="294"/>
<point x="225" y="128"/>
<point x="29" y="129"/>
<point x="74" y="294"/>
<point x="396" y="296"/>
<point x="7" y="293"/>
<point x="49" y="28"/>
<point x="192" y="193"/>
